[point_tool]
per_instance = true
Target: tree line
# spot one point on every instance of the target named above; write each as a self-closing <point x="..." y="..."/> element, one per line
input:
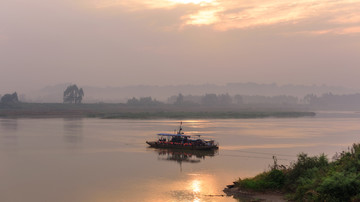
<point x="332" y="101"/>
<point x="74" y="95"/>
<point x="211" y="99"/>
<point x="324" y="101"/>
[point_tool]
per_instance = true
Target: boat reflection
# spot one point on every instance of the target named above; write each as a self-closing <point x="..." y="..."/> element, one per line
<point x="184" y="156"/>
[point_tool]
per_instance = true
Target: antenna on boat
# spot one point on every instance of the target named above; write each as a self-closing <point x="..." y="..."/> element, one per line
<point x="180" y="129"/>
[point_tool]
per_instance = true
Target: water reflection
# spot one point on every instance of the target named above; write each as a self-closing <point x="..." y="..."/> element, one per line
<point x="184" y="156"/>
<point x="197" y="187"/>
<point x="9" y="125"/>
<point x="73" y="130"/>
<point x="8" y="131"/>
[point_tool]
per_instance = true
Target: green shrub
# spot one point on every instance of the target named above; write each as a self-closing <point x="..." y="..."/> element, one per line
<point x="273" y="179"/>
<point x="314" y="178"/>
<point x="303" y="167"/>
<point x="339" y="186"/>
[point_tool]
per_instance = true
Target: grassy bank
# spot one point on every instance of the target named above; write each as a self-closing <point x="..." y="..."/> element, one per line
<point x="312" y="178"/>
<point x="123" y="111"/>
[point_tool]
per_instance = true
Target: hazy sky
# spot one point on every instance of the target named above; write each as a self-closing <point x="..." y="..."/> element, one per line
<point x="160" y="42"/>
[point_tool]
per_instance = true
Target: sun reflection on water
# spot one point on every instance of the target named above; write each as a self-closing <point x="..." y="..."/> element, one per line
<point x="196" y="188"/>
<point x="195" y="185"/>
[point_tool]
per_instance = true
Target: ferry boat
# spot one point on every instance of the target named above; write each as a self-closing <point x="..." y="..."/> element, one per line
<point x="182" y="141"/>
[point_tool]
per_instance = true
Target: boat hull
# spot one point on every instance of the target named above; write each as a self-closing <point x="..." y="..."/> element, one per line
<point x="157" y="144"/>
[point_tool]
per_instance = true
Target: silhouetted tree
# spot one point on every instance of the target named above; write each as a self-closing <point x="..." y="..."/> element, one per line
<point x="73" y="94"/>
<point x="10" y="98"/>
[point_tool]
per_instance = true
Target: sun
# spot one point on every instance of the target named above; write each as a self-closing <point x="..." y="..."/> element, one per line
<point x="191" y="1"/>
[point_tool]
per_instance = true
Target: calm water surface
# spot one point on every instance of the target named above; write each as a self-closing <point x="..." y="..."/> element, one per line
<point x="108" y="160"/>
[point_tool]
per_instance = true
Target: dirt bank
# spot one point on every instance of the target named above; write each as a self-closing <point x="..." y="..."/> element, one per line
<point x="244" y="195"/>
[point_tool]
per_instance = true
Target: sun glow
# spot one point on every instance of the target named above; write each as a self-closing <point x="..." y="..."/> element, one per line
<point x="195" y="185"/>
<point x="192" y="1"/>
<point x="341" y="17"/>
<point x="204" y="17"/>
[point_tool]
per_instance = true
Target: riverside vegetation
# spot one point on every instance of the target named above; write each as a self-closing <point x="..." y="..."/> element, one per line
<point x="312" y="178"/>
<point x="210" y="106"/>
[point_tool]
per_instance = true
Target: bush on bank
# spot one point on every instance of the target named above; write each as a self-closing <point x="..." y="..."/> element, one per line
<point x="313" y="178"/>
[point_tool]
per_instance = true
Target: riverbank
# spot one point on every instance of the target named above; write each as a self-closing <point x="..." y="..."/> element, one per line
<point x="247" y="195"/>
<point x="307" y="179"/>
<point x="123" y="111"/>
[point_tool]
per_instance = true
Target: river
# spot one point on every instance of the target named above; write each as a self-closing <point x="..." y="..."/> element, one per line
<point x="100" y="160"/>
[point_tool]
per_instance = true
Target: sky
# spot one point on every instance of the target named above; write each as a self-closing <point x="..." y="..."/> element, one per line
<point x="172" y="42"/>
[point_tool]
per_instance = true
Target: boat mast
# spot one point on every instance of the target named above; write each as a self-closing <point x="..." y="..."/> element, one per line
<point x="180" y="129"/>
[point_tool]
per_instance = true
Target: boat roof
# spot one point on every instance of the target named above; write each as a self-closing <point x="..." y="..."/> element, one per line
<point x="172" y="135"/>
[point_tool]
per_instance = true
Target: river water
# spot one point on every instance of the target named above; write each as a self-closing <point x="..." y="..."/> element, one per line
<point x="107" y="160"/>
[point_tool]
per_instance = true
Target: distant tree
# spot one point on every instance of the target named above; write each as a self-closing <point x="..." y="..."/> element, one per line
<point x="10" y="98"/>
<point x="179" y="99"/>
<point x="143" y="101"/>
<point x="225" y="99"/>
<point x="146" y="101"/>
<point x="80" y="96"/>
<point x="73" y="94"/>
<point x="209" y="99"/>
<point x="310" y="99"/>
<point x="238" y="99"/>
<point x="132" y="101"/>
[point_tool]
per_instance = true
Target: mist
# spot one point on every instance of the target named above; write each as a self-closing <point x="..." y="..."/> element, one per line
<point x="98" y="94"/>
<point x="166" y="43"/>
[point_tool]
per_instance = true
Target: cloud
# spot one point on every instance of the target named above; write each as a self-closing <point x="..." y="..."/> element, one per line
<point x="224" y="15"/>
<point x="335" y="31"/>
<point x="347" y="18"/>
<point x="148" y="4"/>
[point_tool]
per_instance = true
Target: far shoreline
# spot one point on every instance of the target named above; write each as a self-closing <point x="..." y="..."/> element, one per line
<point x="123" y="111"/>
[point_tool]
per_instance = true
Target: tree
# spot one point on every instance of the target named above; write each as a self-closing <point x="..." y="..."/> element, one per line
<point x="133" y="101"/>
<point x="73" y="94"/>
<point x="224" y="99"/>
<point x="310" y="99"/>
<point x="238" y="99"/>
<point x="179" y="99"/>
<point x="143" y="101"/>
<point x="10" y="98"/>
<point x="209" y="99"/>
